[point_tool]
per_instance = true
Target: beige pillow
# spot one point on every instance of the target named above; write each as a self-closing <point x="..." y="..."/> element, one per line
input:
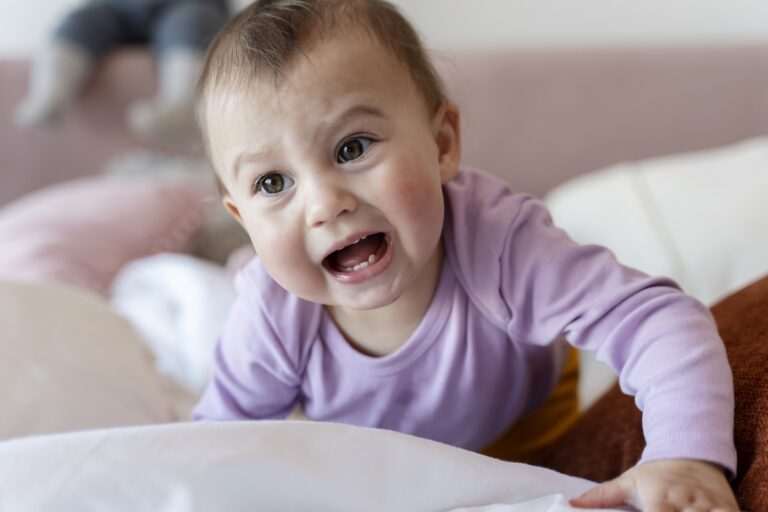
<point x="67" y="362"/>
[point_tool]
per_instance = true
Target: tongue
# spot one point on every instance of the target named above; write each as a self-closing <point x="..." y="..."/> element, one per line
<point x="357" y="253"/>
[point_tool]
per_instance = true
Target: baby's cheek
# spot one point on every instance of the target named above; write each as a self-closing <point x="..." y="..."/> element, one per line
<point x="418" y="216"/>
<point x="419" y="198"/>
<point x="412" y="196"/>
<point x="295" y="273"/>
<point x="282" y="255"/>
<point x="415" y="189"/>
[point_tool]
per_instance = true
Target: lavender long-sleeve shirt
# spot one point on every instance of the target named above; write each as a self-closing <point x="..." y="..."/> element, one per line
<point x="489" y="349"/>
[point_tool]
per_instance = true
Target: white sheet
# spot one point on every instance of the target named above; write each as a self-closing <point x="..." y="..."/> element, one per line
<point x="266" y="466"/>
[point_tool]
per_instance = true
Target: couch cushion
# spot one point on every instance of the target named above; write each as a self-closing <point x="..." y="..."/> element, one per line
<point x="699" y="217"/>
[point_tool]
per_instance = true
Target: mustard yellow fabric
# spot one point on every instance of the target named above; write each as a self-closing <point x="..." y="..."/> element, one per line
<point x="530" y="434"/>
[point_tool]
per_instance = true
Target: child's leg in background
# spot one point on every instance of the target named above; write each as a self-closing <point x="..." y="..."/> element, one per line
<point x="65" y="63"/>
<point x="179" y="37"/>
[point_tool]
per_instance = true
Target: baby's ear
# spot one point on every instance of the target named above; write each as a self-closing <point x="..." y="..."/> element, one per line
<point x="231" y="207"/>
<point x="447" y="131"/>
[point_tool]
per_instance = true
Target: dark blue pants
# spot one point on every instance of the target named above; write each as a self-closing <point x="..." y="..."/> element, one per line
<point x="101" y="25"/>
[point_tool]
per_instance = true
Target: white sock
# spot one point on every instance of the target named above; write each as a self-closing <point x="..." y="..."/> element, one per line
<point x="170" y="113"/>
<point x="58" y="76"/>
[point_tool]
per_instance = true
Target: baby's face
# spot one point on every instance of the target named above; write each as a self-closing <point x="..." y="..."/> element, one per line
<point x="336" y="173"/>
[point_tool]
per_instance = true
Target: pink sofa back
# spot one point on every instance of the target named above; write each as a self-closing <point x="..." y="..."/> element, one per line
<point x="535" y="117"/>
<point x="538" y="117"/>
<point x="83" y="140"/>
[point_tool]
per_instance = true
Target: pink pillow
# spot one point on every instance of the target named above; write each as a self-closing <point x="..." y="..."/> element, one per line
<point x="82" y="232"/>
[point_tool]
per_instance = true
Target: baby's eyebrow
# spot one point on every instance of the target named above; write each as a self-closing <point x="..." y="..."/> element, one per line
<point x="244" y="158"/>
<point x="358" y="110"/>
<point x="335" y="122"/>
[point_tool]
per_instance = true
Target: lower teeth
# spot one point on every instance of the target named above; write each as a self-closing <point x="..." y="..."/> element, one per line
<point x="363" y="264"/>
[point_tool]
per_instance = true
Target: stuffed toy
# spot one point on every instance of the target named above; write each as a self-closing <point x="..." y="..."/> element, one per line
<point x="178" y="32"/>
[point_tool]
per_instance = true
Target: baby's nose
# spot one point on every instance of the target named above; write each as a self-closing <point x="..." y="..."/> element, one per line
<point x="327" y="200"/>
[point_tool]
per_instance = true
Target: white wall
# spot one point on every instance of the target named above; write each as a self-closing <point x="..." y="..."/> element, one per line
<point x="448" y="24"/>
<point x="451" y="23"/>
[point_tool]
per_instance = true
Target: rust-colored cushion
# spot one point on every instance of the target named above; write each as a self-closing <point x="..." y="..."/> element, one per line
<point x="608" y="439"/>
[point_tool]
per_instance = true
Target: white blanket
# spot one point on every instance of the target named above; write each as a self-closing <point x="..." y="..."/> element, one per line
<point x="266" y="466"/>
<point x="178" y="303"/>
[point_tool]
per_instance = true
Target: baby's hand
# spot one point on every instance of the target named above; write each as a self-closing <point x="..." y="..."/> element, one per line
<point x="665" y="486"/>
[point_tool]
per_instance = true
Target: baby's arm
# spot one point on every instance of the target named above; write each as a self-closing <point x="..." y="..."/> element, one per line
<point x="252" y="376"/>
<point x="663" y="345"/>
<point x="674" y="484"/>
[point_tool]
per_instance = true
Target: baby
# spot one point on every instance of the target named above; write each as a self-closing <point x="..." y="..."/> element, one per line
<point x="392" y="289"/>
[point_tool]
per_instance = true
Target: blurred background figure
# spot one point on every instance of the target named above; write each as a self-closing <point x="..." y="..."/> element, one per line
<point x="177" y="32"/>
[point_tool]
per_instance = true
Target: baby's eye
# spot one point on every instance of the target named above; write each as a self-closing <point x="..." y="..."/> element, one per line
<point x="353" y="149"/>
<point x="272" y="183"/>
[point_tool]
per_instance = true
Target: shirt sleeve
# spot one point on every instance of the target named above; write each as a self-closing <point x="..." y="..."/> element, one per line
<point x="663" y="344"/>
<point x="254" y="375"/>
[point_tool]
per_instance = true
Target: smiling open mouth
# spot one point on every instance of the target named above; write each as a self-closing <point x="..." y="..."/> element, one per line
<point x="358" y="255"/>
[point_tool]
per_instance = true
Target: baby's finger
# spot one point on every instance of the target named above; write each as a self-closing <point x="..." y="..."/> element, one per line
<point x="608" y="494"/>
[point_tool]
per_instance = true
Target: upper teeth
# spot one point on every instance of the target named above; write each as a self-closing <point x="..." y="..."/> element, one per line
<point x="361" y="238"/>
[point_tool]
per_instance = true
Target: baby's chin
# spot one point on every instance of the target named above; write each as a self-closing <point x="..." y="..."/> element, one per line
<point x="361" y="303"/>
<point x="368" y="300"/>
